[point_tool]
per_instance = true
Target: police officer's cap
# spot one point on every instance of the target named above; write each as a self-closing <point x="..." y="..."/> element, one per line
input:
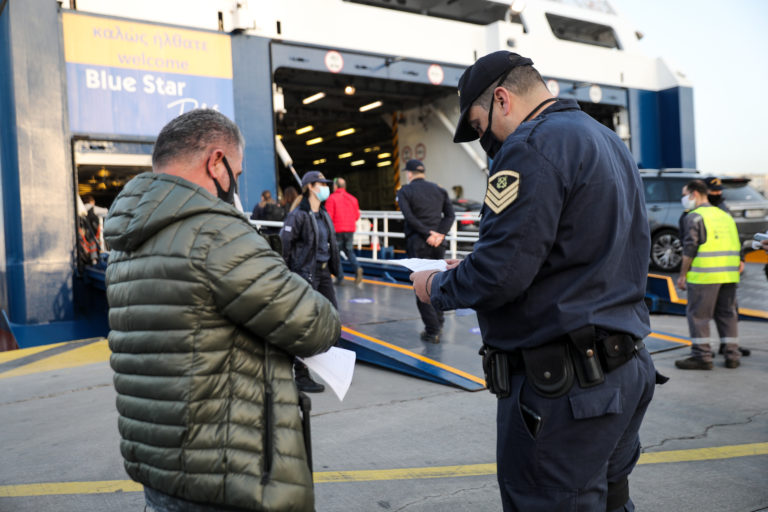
<point x="414" y="165"/>
<point x="714" y="183"/>
<point x="476" y="79"/>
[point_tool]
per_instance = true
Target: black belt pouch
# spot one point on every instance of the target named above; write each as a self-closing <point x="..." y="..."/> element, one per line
<point x="549" y="369"/>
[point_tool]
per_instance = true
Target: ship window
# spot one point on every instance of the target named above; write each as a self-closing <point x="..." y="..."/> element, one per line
<point x="580" y="31"/>
<point x="478" y="12"/>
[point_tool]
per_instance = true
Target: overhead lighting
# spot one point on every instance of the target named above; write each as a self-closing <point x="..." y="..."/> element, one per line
<point x="318" y="161"/>
<point x="348" y="131"/>
<point x="314" y="97"/>
<point x="384" y="155"/>
<point x="356" y="163"/>
<point x="370" y="106"/>
<point x="305" y="129"/>
<point x="279" y="137"/>
<point x="345" y="155"/>
<point x="316" y="140"/>
<point x="349" y="90"/>
<point x="103" y="173"/>
<point x="372" y="148"/>
<point x="384" y="163"/>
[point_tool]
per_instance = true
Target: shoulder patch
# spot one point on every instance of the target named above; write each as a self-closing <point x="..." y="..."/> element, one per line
<point x="502" y="190"/>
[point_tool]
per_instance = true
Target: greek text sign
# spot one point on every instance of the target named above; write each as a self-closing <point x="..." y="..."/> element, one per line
<point x="127" y="78"/>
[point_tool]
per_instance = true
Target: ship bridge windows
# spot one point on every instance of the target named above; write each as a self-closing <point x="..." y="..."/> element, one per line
<point x="478" y="12"/>
<point x="580" y="31"/>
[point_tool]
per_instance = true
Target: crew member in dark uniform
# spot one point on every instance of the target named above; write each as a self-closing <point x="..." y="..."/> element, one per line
<point x="428" y="216"/>
<point x="558" y="280"/>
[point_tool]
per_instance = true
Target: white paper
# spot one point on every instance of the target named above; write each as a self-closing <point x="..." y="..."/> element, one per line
<point x="335" y="367"/>
<point x="418" y="264"/>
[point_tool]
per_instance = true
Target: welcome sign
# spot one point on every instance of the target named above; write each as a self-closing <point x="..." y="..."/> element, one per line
<point x="127" y="78"/>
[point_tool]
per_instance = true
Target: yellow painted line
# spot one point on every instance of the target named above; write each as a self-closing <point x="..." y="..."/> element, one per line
<point x="713" y="453"/>
<point x="673" y="296"/>
<point x="754" y="312"/>
<point x="12" y="355"/>
<point x="371" y="475"/>
<point x="445" y="367"/>
<point x="382" y="283"/>
<point x="93" y="353"/>
<point x="670" y="338"/>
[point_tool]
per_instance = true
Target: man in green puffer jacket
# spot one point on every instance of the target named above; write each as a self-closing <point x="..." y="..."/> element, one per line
<point x="205" y="320"/>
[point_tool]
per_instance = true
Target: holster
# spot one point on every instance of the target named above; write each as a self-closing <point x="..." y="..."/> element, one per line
<point x="496" y="370"/>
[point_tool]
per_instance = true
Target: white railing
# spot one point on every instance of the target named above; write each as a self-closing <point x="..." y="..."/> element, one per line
<point x="373" y="227"/>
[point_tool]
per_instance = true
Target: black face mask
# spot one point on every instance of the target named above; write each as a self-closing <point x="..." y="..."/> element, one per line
<point x="229" y="195"/>
<point x="491" y="145"/>
<point x="715" y="200"/>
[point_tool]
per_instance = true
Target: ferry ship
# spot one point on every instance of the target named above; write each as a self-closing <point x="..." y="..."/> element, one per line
<point x="350" y="87"/>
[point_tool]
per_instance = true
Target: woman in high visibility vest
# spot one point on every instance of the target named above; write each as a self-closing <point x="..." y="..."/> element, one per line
<point x="710" y="271"/>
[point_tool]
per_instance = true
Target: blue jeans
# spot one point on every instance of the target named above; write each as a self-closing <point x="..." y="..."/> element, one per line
<point x="344" y="241"/>
<point x="160" y="502"/>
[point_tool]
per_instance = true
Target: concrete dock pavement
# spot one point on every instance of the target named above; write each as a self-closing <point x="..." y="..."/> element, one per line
<point x="396" y="442"/>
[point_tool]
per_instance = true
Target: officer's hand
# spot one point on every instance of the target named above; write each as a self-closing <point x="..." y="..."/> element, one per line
<point x="681" y="282"/>
<point x="452" y="264"/>
<point x="741" y="267"/>
<point x="764" y="243"/>
<point x="420" y="284"/>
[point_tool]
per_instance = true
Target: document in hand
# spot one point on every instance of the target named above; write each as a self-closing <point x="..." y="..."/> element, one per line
<point x="418" y="264"/>
<point x="335" y="367"/>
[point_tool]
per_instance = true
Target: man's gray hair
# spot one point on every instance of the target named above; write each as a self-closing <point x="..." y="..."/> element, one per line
<point x="192" y="133"/>
<point x="519" y="81"/>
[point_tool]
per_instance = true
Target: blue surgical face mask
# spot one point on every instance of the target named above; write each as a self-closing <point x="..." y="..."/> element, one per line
<point x="323" y="193"/>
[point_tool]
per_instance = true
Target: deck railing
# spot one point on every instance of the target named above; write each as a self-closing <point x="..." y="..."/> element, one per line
<point x="373" y="229"/>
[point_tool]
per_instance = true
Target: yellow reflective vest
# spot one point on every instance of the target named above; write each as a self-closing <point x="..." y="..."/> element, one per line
<point x="717" y="259"/>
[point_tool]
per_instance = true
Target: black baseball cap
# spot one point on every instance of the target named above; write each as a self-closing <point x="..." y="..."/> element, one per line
<point x="713" y="183"/>
<point x="414" y="165"/>
<point x="312" y="177"/>
<point x="476" y="79"/>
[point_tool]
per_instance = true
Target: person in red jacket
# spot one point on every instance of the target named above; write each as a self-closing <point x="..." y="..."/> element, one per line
<point x="344" y="211"/>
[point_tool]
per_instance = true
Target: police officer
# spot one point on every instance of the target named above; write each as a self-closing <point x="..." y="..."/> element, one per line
<point x="710" y="271"/>
<point x="557" y="279"/>
<point x="428" y="215"/>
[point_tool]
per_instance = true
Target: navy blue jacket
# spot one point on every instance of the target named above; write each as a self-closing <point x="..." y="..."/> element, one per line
<point x="425" y="207"/>
<point x="300" y="239"/>
<point x="564" y="238"/>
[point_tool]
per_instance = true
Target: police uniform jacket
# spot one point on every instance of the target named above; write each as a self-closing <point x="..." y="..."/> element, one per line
<point x="564" y="236"/>
<point x="205" y="321"/>
<point x="425" y="207"/>
<point x="300" y="237"/>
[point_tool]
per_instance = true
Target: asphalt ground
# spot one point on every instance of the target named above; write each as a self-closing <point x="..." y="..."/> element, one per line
<point x="396" y="443"/>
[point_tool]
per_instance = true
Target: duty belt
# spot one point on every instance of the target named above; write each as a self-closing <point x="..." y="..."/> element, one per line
<point x="585" y="355"/>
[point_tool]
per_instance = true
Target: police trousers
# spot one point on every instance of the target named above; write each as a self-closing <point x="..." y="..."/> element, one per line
<point x="417" y="247"/>
<point x="587" y="440"/>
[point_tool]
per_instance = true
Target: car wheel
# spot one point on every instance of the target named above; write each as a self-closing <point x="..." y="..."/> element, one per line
<point x="666" y="250"/>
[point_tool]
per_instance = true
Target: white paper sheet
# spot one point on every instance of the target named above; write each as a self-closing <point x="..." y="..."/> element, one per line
<point x="418" y="264"/>
<point x="335" y="367"/>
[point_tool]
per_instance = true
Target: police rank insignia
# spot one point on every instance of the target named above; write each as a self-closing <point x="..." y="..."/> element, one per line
<point x="502" y="190"/>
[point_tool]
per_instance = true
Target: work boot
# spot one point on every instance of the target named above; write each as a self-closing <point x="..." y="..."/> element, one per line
<point x="359" y="275"/>
<point x="430" y="338"/>
<point x="745" y="352"/>
<point x="693" y="363"/>
<point x="732" y="363"/>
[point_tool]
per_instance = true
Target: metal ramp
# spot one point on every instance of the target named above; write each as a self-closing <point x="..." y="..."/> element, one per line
<point x="382" y="325"/>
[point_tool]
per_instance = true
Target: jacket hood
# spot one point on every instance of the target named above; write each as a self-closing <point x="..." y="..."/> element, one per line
<point x="150" y="202"/>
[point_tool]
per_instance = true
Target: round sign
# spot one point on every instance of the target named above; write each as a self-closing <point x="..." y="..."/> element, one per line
<point x="553" y="87"/>
<point x="407" y="153"/>
<point x="435" y="74"/>
<point x="595" y="93"/>
<point x="334" y="61"/>
<point x="361" y="300"/>
<point x="421" y="152"/>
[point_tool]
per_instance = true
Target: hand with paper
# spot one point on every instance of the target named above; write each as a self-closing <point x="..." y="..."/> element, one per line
<point x="335" y="367"/>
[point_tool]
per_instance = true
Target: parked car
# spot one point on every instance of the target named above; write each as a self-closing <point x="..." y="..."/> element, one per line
<point x="663" y="190"/>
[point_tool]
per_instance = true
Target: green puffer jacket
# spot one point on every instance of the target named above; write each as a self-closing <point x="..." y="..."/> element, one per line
<point x="205" y="318"/>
